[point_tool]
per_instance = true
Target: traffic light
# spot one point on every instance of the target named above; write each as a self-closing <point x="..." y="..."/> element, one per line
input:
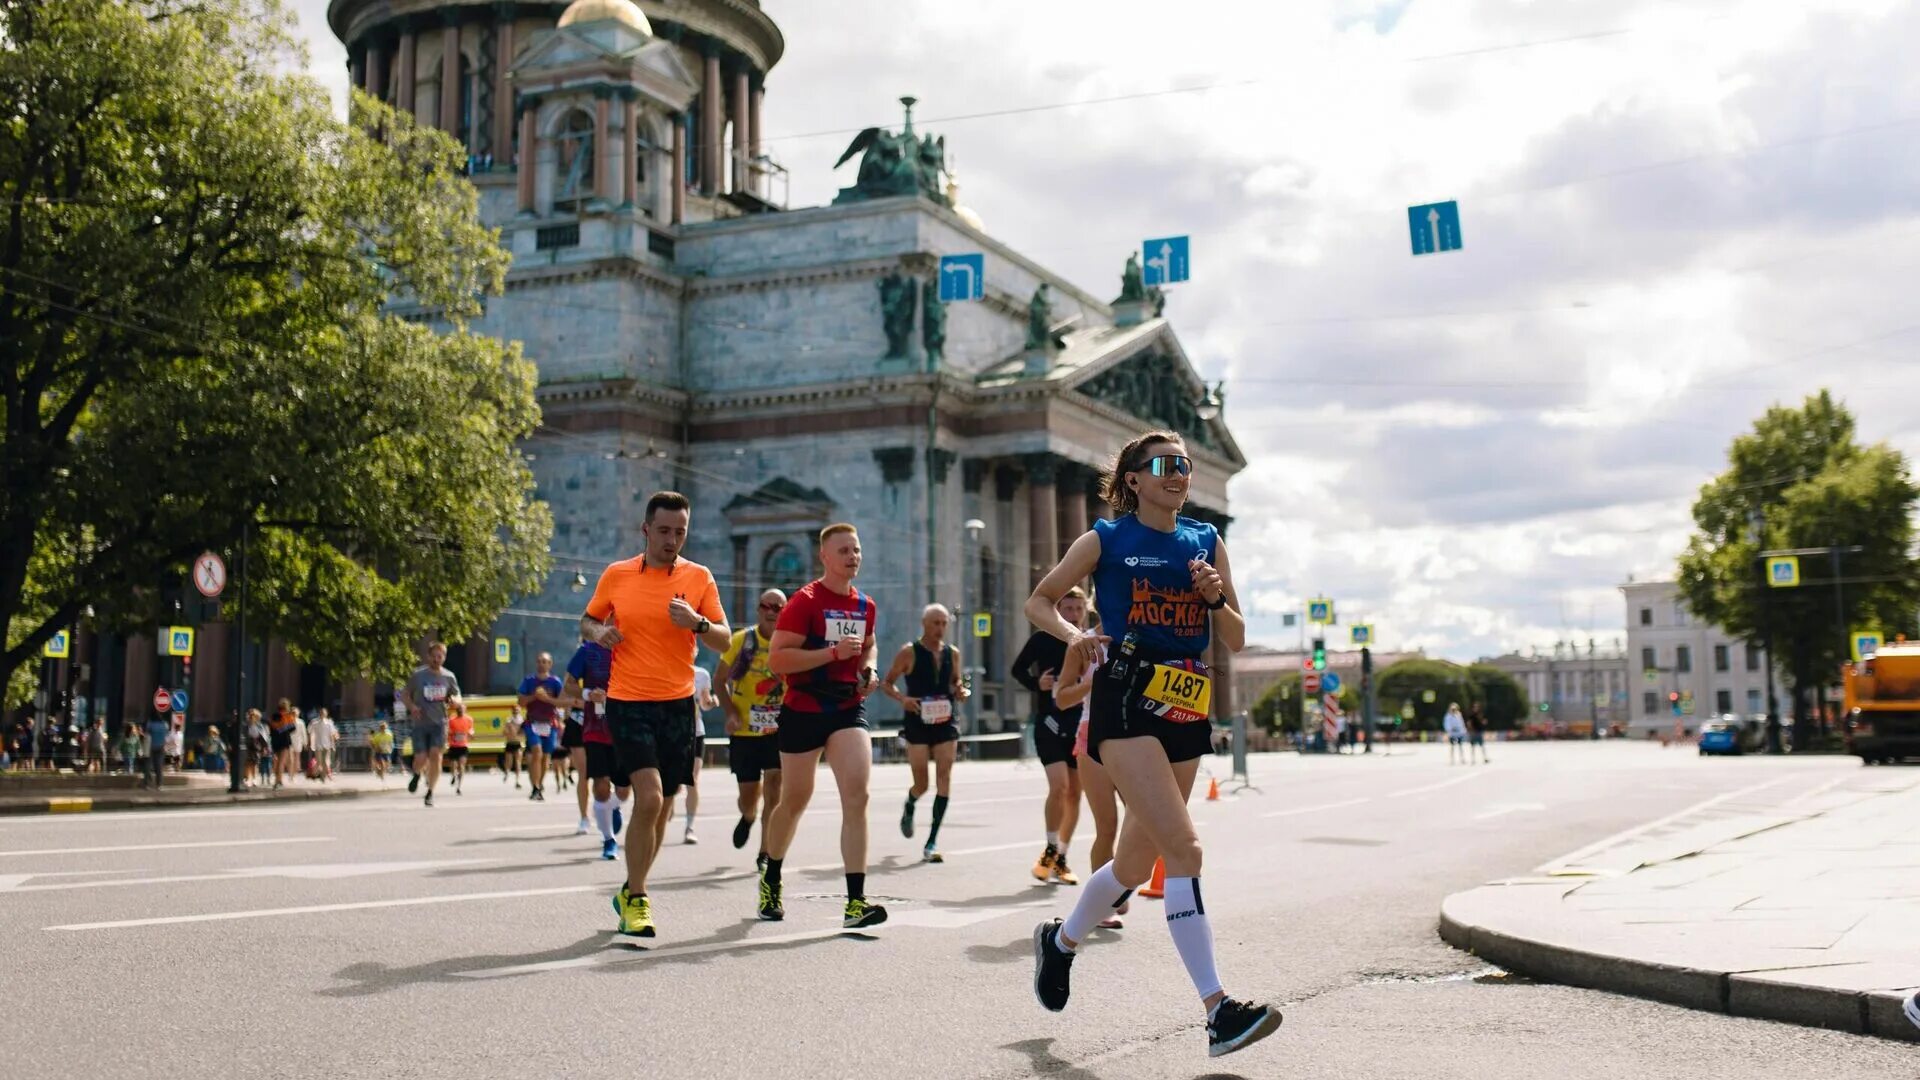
<point x="1319" y="654"/>
<point x="1673" y="700"/>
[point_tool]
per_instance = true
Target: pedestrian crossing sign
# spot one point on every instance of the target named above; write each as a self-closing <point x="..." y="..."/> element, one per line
<point x="1865" y="643"/>
<point x="1320" y="611"/>
<point x="982" y="624"/>
<point x="1783" y="571"/>
<point x="57" y="646"/>
<point x="1363" y="634"/>
<point x="502" y="651"/>
<point x="176" y="641"/>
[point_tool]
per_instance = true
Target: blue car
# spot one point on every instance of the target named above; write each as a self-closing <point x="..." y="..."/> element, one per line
<point x="1719" y="737"/>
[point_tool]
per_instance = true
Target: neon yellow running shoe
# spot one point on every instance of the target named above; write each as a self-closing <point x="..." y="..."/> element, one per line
<point x="636" y="913"/>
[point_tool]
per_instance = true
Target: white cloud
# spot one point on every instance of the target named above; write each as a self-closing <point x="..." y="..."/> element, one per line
<point x="1671" y="222"/>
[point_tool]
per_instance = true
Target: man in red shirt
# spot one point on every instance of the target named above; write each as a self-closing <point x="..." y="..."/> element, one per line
<point x="824" y="645"/>
<point x="653" y="611"/>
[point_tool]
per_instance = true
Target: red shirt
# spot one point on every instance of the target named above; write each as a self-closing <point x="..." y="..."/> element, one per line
<point x="823" y="616"/>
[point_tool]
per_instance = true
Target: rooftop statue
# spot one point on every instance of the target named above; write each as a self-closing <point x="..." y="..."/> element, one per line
<point x="896" y="164"/>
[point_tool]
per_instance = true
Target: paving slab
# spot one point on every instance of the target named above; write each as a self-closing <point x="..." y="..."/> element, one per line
<point x="1806" y="910"/>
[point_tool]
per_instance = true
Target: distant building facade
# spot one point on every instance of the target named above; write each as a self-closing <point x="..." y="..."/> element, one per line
<point x="1576" y="684"/>
<point x="1670" y="651"/>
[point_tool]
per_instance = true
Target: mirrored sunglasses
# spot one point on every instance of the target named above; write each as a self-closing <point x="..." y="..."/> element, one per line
<point x="1166" y="465"/>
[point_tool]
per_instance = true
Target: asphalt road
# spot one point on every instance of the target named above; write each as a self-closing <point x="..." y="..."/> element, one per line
<point x="377" y="936"/>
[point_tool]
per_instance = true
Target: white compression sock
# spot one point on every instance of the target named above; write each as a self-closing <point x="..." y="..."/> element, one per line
<point x="603" y="817"/>
<point x="1192" y="934"/>
<point x="1098" y="897"/>
<point x="1053" y="839"/>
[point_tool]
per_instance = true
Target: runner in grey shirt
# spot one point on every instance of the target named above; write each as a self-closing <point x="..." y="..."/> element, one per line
<point x="427" y="692"/>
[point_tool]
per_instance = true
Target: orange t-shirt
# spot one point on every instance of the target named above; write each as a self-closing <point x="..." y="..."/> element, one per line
<point x="654" y="660"/>
<point x="459" y="730"/>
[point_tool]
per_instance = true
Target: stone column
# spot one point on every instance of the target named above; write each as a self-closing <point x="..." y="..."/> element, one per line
<point x="629" y="146"/>
<point x="1073" y="505"/>
<point x="679" y="179"/>
<point x="709" y="147"/>
<point x="503" y="118"/>
<point x="742" y="177"/>
<point x="1043" y="511"/>
<point x="757" y="98"/>
<point x="742" y="610"/>
<point x="404" y="74"/>
<point x="356" y="700"/>
<point x="450" y="76"/>
<point x="357" y="68"/>
<point x="376" y="71"/>
<point x="138" y="677"/>
<point x="528" y="161"/>
<point x="604" y="160"/>
<point x="212" y="672"/>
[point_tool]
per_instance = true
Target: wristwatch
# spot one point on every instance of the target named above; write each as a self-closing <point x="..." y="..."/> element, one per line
<point x="1217" y="604"/>
<point x="702" y="626"/>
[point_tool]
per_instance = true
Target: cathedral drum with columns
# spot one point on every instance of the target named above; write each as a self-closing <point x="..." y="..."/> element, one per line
<point x="785" y="368"/>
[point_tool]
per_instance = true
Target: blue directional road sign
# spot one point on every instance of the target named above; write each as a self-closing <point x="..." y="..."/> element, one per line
<point x="963" y="277"/>
<point x="179" y="698"/>
<point x="1435" y="227"/>
<point x="1166" y="262"/>
<point x="1329" y="683"/>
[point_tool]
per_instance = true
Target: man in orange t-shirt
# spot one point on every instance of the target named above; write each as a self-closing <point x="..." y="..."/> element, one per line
<point x="459" y="739"/>
<point x="653" y="611"/>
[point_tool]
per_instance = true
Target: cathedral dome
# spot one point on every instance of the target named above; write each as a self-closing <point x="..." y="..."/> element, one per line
<point x="620" y="11"/>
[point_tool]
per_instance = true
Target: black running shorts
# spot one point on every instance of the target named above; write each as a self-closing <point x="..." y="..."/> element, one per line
<point x="1108" y="718"/>
<point x="919" y="734"/>
<point x="573" y="735"/>
<point x="455" y="753"/>
<point x="751" y="755"/>
<point x="654" y="735"/>
<point x="806" y="732"/>
<point x="602" y="763"/>
<point x="1052" y="746"/>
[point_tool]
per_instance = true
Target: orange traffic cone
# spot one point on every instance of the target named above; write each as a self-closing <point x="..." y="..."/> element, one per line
<point x="1156" y="888"/>
<point x="1213" y="789"/>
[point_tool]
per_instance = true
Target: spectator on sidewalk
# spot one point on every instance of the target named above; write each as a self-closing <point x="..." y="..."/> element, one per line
<point x="154" y="746"/>
<point x="1455" y="726"/>
<point x="280" y="731"/>
<point x="176" y="743"/>
<point x="380" y="749"/>
<point x="97" y="747"/>
<point x="259" y="748"/>
<point x="324" y="737"/>
<point x="1477" y="734"/>
<point x="129" y="746"/>
<point x="301" y="763"/>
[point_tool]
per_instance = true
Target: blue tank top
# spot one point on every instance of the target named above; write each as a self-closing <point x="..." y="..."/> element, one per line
<point x="1142" y="585"/>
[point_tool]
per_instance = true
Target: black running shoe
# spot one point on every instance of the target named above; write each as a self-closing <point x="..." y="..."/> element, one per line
<point x="861" y="914"/>
<point x="760" y="861"/>
<point x="771" y="909"/>
<point x="1052" y="966"/>
<point x="906" y="820"/>
<point x="1236" y="1025"/>
<point x="429" y="798"/>
<point x="413" y="785"/>
<point x="741" y="832"/>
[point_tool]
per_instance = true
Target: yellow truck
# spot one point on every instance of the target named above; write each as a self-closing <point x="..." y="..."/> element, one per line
<point x="489" y="729"/>
<point x="1882" y="704"/>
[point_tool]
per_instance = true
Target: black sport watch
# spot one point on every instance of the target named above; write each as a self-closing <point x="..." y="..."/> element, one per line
<point x="702" y="626"/>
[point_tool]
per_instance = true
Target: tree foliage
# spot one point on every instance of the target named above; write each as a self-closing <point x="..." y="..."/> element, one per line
<point x="1409" y="680"/>
<point x="215" y="300"/>
<point x="1278" y="708"/>
<point x="1799" y="479"/>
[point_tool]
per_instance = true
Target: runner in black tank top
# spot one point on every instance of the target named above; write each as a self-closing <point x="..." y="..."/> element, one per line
<point x="1165" y="594"/>
<point x="934" y="691"/>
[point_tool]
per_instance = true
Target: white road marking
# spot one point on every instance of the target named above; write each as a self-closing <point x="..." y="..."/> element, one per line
<point x="1502" y="809"/>
<point x="313" y="872"/>
<point x="313" y="909"/>
<point x="172" y="847"/>
<point x="1316" y="809"/>
<point x="1434" y="787"/>
<point x="1574" y="857"/>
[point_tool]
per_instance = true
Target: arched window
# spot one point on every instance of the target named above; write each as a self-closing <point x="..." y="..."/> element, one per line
<point x="782" y="568"/>
<point x="574" y="164"/>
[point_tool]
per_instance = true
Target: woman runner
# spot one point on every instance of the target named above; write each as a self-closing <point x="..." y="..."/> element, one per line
<point x="1163" y="588"/>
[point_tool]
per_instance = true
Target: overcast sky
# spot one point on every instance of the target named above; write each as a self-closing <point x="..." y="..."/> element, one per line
<point x="1676" y="212"/>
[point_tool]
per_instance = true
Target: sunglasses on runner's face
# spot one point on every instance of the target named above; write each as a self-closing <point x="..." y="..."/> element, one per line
<point x="775" y="608"/>
<point x="1166" y="465"/>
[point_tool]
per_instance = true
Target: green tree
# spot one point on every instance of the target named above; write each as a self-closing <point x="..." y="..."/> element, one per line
<point x="1799" y="479"/>
<point x="1409" y="680"/>
<point x="1500" y="696"/>
<point x="224" y="308"/>
<point x="1278" y="708"/>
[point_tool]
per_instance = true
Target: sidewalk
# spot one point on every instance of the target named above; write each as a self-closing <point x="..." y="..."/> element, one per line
<point x="67" y="793"/>
<point x="1788" y="900"/>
